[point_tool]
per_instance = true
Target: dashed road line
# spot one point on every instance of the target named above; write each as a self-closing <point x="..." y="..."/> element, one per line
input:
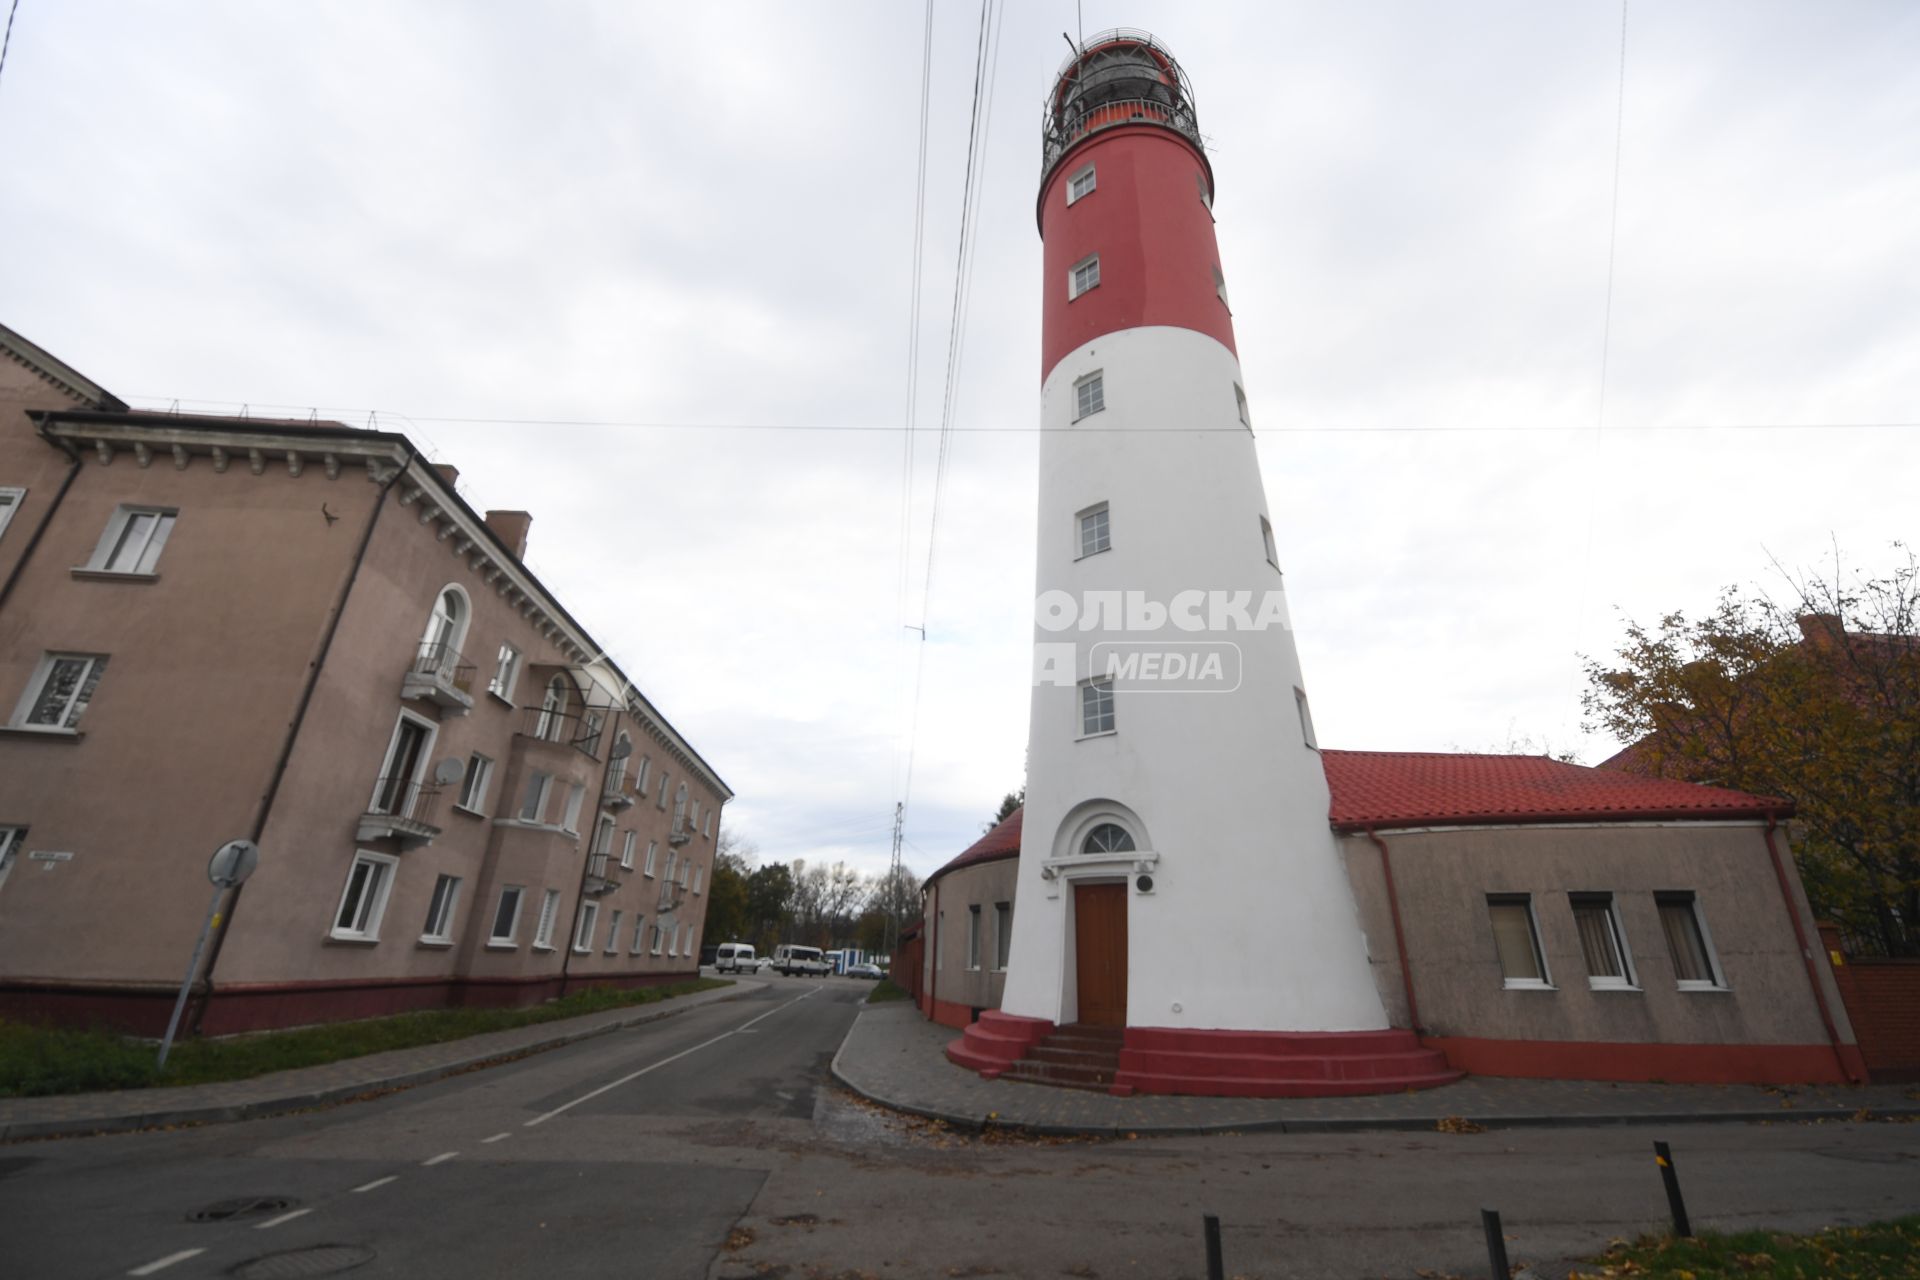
<point x="285" y="1217"/>
<point x="498" y="1137"/>
<point x="161" y="1264"/>
<point x="439" y="1159"/>
<point x="378" y="1182"/>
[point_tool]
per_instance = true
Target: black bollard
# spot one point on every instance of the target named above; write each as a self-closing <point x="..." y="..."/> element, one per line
<point x="1496" y="1244"/>
<point x="1663" y="1157"/>
<point x="1215" y="1269"/>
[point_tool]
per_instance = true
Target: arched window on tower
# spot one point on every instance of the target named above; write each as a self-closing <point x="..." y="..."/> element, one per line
<point x="1108" y="837"/>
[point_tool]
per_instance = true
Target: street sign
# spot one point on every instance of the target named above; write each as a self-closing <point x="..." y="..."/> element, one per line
<point x="233" y="862"/>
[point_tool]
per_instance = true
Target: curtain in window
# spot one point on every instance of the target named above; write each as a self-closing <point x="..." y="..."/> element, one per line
<point x="1684" y="942"/>
<point x="1596" y="939"/>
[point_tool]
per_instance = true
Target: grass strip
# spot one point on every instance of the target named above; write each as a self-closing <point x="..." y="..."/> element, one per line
<point x="1878" y="1251"/>
<point x="37" y="1061"/>
<point x="885" y="990"/>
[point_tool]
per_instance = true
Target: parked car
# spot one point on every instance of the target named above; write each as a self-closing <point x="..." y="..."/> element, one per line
<point x="804" y="962"/>
<point x="735" y="957"/>
<point x="868" y="971"/>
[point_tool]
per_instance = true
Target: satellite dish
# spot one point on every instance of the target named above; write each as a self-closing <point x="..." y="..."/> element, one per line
<point x="621" y="750"/>
<point x="449" y="771"/>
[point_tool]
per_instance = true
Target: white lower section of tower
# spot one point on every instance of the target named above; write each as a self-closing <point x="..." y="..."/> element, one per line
<point x="1249" y="923"/>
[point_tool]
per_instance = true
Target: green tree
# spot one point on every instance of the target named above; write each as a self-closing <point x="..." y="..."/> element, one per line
<point x="1013" y="800"/>
<point x="1815" y="698"/>
<point x="727" y="919"/>
<point x="769" y="892"/>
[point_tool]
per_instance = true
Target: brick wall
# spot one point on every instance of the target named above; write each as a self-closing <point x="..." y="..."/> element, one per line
<point x="1883" y="1002"/>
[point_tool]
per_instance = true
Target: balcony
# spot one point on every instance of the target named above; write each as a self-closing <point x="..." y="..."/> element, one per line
<point x="438" y="676"/>
<point x="402" y="810"/>
<point x="582" y="731"/>
<point x="598" y="881"/>
<point x="616" y="800"/>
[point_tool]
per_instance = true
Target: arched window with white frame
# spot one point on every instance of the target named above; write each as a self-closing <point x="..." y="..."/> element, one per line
<point x="553" y="706"/>
<point x="446" y="630"/>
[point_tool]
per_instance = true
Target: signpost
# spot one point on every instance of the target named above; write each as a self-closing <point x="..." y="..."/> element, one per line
<point x="229" y="868"/>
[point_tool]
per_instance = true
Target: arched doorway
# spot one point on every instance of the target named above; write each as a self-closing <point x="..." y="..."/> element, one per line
<point x="1100" y="933"/>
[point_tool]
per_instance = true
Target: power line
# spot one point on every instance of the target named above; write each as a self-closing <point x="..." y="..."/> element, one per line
<point x="913" y="317"/>
<point x="6" y="42"/>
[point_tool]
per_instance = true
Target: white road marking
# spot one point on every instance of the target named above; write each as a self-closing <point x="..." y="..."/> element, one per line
<point x="632" y="1076"/>
<point x="378" y="1182"/>
<point x="285" y="1217"/>
<point x="161" y="1264"/>
<point x="443" y="1156"/>
<point x="498" y="1137"/>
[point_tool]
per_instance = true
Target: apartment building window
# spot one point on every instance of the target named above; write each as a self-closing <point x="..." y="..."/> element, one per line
<point x="1090" y="394"/>
<point x="549" y="909"/>
<point x="680" y="808"/>
<point x="1266" y="539"/>
<point x="626" y="850"/>
<point x="653" y="851"/>
<point x="1002" y="934"/>
<point x="446" y="630"/>
<point x="1306" y="718"/>
<point x="552" y="725"/>
<point x="11" y="838"/>
<point x="473" y="787"/>
<point x="639" y="934"/>
<point x="446" y="893"/>
<point x="686" y="939"/>
<point x="397" y="788"/>
<point x="133" y="541"/>
<point x="583" y="927"/>
<point x="1694" y="965"/>
<point x="617" y="776"/>
<point x="364" y="900"/>
<point x="1096" y="531"/>
<point x="699" y="878"/>
<point x="1080" y="184"/>
<point x="576" y="799"/>
<point x="602" y="837"/>
<point x="533" y="804"/>
<point x="655" y="949"/>
<point x="613" y="933"/>
<point x="10" y="500"/>
<point x="1096" y="707"/>
<point x="1516" y="938"/>
<point x="60" y="691"/>
<point x="640" y="777"/>
<point x="1602" y="942"/>
<point x="664" y="779"/>
<point x="1084" y="276"/>
<point x="973" y="936"/>
<point x="506" y="916"/>
<point x="506" y="673"/>
<point x="673" y="861"/>
<point x="673" y="940"/>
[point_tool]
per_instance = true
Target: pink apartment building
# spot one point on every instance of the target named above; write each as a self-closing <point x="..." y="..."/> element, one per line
<point x="298" y="633"/>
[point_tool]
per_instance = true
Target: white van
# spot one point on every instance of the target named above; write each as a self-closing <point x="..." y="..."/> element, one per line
<point x="735" y="957"/>
<point x="804" y="961"/>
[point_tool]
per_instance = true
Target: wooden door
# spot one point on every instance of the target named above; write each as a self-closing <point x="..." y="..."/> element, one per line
<point x="1100" y="952"/>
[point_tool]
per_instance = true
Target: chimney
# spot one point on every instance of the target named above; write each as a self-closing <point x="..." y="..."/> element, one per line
<point x="1821" y="630"/>
<point x="512" y="528"/>
<point x="448" y="472"/>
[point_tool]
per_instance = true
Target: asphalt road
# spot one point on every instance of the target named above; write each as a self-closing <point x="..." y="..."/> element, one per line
<point x="713" y="1146"/>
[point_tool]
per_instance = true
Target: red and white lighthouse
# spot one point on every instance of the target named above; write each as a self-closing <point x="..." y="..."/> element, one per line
<point x="1178" y="877"/>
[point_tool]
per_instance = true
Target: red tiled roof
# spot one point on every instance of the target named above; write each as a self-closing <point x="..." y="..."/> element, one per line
<point x="1418" y="789"/>
<point x="1001" y="842"/>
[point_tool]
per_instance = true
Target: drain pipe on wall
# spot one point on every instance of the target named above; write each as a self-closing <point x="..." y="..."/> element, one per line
<point x="933" y="973"/>
<point x="46" y="517"/>
<point x="1399" y="934"/>
<point x="1853" y="1074"/>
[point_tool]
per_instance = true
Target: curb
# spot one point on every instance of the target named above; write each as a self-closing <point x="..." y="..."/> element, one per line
<point x="217" y="1113"/>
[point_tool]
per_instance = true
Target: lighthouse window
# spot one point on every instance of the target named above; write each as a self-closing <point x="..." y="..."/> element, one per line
<point x="1206" y="196"/>
<point x="1240" y="398"/>
<point x="1095" y="533"/>
<point x="1108" y="837"/>
<point x="1266" y="536"/>
<point x="1085" y="275"/>
<point x="1306" y="717"/>
<point x="1089" y="394"/>
<point x="1096" y="707"/>
<point x="1080" y="184"/>
<point x="1220" y="288"/>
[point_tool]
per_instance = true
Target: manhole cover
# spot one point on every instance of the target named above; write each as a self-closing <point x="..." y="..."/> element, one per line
<point x="242" y="1207"/>
<point x="315" y="1260"/>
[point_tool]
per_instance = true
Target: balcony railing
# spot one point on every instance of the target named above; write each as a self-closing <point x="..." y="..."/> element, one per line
<point x="582" y="731"/>
<point x="402" y="810"/>
<point x="1077" y="119"/>
<point x="599" y="875"/>
<point x="439" y="676"/>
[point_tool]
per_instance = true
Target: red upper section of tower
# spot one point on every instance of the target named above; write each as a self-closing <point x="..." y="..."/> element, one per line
<point x="1122" y="108"/>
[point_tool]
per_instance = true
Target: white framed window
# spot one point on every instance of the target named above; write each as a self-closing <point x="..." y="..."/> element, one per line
<point x="473" y="787"/>
<point x="1516" y="940"/>
<point x="1689" y="945"/>
<point x="664" y="779"/>
<point x="602" y="836"/>
<point x="1220" y="288"/>
<point x="133" y="540"/>
<point x="533" y="801"/>
<point x="673" y="940"/>
<point x="10" y="500"/>
<point x="1002" y="935"/>
<point x="1603" y="944"/>
<point x="506" y="673"/>
<point x="699" y="878"/>
<point x="11" y="840"/>
<point x="1108" y="837"/>
<point x="1096" y="707"/>
<point x="506" y="916"/>
<point x="686" y="939"/>
<point x="617" y="776"/>
<point x="653" y="851"/>
<point x="576" y="799"/>
<point x="639" y="934"/>
<point x="583" y="926"/>
<point x="680" y="808"/>
<point x="973" y="936"/>
<point x="709" y="828"/>
<point x="552" y="724"/>
<point x="446" y="895"/>
<point x="655" y="949"/>
<point x="1080" y="184"/>
<point x="1240" y="403"/>
<point x="1096" y="531"/>
<point x="673" y="863"/>
<point x="397" y="789"/>
<point x="446" y="632"/>
<point x="686" y="869"/>
<point x="613" y="933"/>
<point x="60" y="691"/>
<point x="1266" y="540"/>
<point x="549" y="909"/>
<point x="627" y="844"/>
<point x="1084" y="276"/>
<point x="641" y="771"/>
<point x="1090" y="394"/>
<point x="364" y="899"/>
<point x="1306" y="718"/>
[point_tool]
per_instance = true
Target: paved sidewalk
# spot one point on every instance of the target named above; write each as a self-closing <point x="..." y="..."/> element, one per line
<point x="84" y="1113"/>
<point x="895" y="1057"/>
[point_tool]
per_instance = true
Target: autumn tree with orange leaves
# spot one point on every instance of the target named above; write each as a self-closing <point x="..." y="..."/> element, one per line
<point x="1813" y="696"/>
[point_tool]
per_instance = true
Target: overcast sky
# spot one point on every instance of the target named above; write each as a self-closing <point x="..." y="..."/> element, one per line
<point x="702" y="214"/>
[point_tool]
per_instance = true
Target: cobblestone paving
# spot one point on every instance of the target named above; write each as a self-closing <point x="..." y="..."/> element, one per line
<point x="315" y="1086"/>
<point x="895" y="1057"/>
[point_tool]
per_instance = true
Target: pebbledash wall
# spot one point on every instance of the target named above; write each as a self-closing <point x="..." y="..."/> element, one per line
<point x="326" y="623"/>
